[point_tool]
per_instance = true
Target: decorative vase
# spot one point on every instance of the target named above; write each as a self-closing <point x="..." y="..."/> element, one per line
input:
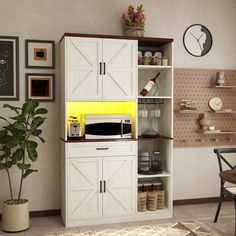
<point x="134" y="31"/>
<point x="15" y="217"/>
<point x="204" y="122"/>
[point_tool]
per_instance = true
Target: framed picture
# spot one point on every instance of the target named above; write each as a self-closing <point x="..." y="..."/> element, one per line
<point x="40" y="54"/>
<point x="40" y="87"/>
<point x="9" y="68"/>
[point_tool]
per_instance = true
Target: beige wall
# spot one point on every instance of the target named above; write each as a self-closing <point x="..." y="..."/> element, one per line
<point x="49" y="19"/>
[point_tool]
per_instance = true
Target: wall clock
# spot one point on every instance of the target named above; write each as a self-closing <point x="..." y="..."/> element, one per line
<point x="197" y="40"/>
<point x="215" y="104"/>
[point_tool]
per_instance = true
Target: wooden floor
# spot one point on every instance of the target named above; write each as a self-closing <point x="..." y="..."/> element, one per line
<point x="202" y="212"/>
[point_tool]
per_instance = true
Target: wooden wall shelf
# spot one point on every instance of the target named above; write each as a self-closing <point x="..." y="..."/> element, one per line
<point x="199" y="85"/>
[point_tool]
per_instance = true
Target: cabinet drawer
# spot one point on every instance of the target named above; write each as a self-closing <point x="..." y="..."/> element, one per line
<point x="101" y="149"/>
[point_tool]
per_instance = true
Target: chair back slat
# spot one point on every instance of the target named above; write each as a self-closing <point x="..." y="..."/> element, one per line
<point x="222" y="159"/>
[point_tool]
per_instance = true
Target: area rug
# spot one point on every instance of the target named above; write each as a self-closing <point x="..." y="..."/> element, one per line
<point x="184" y="228"/>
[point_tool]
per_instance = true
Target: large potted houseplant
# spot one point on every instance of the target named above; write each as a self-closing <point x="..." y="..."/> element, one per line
<point x="134" y="21"/>
<point x="18" y="150"/>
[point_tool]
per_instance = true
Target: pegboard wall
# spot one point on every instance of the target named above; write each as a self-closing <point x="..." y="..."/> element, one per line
<point x="199" y="85"/>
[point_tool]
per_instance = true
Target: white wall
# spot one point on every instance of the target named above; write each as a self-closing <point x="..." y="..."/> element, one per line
<point x="49" y="19"/>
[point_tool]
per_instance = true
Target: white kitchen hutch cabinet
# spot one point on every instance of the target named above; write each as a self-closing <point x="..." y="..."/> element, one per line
<point x="99" y="181"/>
<point x="99" y="178"/>
<point x="100" y="69"/>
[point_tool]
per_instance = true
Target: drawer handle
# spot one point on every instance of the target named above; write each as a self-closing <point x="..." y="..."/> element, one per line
<point x="99" y="149"/>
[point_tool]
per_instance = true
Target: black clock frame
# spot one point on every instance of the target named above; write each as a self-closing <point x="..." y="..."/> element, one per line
<point x="210" y="39"/>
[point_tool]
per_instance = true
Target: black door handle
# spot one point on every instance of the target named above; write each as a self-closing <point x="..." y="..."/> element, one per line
<point x="104" y="183"/>
<point x="104" y="68"/>
<point x="100" y="186"/>
<point x="100" y="72"/>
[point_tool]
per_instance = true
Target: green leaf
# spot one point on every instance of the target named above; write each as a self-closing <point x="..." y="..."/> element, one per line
<point x="3" y="133"/>
<point x="31" y="144"/>
<point x="19" y="118"/>
<point x="28" y="172"/>
<point x="36" y="132"/>
<point x="37" y="121"/>
<point x="12" y="108"/>
<point x="23" y="166"/>
<point x="41" y="111"/>
<point x="32" y="154"/>
<point x="19" y="126"/>
<point x="29" y="107"/>
<point x="17" y="155"/>
<point x="41" y="139"/>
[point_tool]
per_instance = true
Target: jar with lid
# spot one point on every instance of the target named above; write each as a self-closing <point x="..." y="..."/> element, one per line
<point x="156" y="165"/>
<point x="140" y="58"/>
<point x="144" y="162"/>
<point x="147" y="58"/>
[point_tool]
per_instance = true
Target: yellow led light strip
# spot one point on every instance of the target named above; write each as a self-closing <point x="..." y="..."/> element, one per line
<point x="80" y="109"/>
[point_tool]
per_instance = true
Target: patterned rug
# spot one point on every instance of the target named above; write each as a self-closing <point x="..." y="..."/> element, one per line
<point x="184" y="228"/>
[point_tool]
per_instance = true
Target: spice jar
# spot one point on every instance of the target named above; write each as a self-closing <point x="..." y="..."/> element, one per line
<point x="140" y="58"/>
<point x="147" y="58"/>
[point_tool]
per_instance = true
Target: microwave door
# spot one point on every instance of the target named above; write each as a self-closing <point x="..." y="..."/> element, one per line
<point x="103" y="130"/>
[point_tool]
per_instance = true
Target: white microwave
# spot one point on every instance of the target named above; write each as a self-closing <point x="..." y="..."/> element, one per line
<point x="108" y="126"/>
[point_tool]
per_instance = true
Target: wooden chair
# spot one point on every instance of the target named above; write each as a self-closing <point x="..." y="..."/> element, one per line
<point x="226" y="176"/>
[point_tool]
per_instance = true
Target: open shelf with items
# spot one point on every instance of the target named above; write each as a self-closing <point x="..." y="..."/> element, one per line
<point x="155" y="112"/>
<point x="199" y="85"/>
<point x="160" y="191"/>
<point x="163" y="87"/>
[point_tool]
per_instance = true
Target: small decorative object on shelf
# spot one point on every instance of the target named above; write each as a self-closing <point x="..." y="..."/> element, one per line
<point x="164" y="61"/>
<point x="220" y="78"/>
<point x="134" y="21"/>
<point x="204" y="122"/>
<point x="186" y="104"/>
<point x="215" y="104"/>
<point x="149" y="85"/>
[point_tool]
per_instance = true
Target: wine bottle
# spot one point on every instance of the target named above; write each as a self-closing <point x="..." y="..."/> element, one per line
<point x="149" y="85"/>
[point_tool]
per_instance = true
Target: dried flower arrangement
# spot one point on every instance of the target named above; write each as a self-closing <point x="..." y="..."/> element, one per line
<point x="134" y="17"/>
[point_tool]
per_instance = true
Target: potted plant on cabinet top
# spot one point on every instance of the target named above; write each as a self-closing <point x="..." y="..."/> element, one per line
<point x="134" y="21"/>
<point x="18" y="148"/>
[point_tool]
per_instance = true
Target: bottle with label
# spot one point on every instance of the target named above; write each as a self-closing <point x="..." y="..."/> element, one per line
<point x="149" y="85"/>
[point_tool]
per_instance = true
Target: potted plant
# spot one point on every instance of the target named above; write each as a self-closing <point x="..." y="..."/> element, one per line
<point x="134" y="21"/>
<point x="18" y="148"/>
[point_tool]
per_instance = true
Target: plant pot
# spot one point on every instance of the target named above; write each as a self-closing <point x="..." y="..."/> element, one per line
<point x="134" y="31"/>
<point x="15" y="217"/>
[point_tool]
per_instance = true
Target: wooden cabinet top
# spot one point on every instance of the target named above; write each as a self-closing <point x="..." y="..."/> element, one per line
<point x="142" y="41"/>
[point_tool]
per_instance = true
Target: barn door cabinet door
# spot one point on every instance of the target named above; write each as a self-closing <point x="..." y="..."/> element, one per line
<point x="100" y="186"/>
<point x="101" y="69"/>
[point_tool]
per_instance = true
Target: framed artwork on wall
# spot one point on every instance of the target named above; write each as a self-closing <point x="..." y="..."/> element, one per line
<point x="9" y="68"/>
<point x="39" y="54"/>
<point x="40" y="87"/>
